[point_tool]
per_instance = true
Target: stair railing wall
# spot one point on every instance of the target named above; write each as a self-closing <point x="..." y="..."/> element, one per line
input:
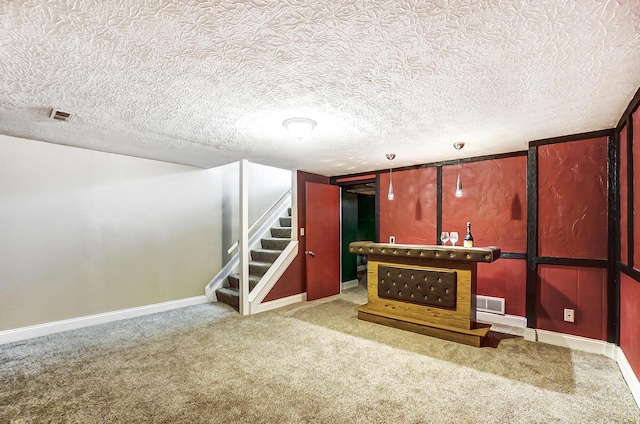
<point x="254" y="233"/>
<point x="261" y="222"/>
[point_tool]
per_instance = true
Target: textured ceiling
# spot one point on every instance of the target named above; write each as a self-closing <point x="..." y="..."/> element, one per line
<point x="209" y="82"/>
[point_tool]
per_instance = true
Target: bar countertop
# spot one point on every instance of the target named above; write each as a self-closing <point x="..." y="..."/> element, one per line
<point x="449" y="253"/>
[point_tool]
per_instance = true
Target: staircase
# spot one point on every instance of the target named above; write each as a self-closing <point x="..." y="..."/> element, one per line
<point x="260" y="261"/>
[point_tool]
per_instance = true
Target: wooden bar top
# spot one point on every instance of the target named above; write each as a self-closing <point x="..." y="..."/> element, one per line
<point x="448" y="253"/>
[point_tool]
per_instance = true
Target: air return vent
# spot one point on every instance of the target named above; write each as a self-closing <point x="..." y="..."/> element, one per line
<point x="59" y="115"/>
<point x="494" y="305"/>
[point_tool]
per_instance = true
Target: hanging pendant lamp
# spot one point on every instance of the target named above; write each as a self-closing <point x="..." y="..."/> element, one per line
<point x="390" y="194"/>
<point x="458" y="146"/>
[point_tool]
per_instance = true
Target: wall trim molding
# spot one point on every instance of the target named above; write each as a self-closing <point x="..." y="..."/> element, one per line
<point x="628" y="374"/>
<point x="24" y="333"/>
<point x="575" y="342"/>
<point x="278" y="303"/>
<point x="573" y="137"/>
<point x="510" y="320"/>
<point x="349" y="284"/>
<point x="601" y="347"/>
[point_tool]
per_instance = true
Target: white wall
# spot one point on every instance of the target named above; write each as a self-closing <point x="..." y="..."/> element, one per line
<point x="85" y="232"/>
<point x="266" y="185"/>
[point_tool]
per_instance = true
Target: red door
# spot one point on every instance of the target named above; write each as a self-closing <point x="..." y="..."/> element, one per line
<point x="322" y="240"/>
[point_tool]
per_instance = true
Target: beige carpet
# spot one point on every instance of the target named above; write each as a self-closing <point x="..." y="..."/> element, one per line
<point x="308" y="363"/>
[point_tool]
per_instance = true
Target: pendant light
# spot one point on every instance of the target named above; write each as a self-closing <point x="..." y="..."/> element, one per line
<point x="390" y="194"/>
<point x="458" y="146"/>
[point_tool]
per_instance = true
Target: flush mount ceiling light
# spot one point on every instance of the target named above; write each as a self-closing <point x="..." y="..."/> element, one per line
<point x="299" y="127"/>
<point x="390" y="194"/>
<point x="458" y="146"/>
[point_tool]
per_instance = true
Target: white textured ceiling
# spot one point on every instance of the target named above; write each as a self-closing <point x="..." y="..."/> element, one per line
<point x="209" y="82"/>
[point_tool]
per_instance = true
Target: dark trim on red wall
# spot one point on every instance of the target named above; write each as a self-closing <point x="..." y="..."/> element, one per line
<point x="476" y="159"/>
<point x="438" y="204"/>
<point x="574" y="137"/>
<point x="631" y="272"/>
<point x="585" y="263"/>
<point x="437" y="164"/>
<point x="513" y="255"/>
<point x="377" y="208"/>
<point x="633" y="105"/>
<point x="630" y="197"/>
<point x="613" y="240"/>
<point x="350" y="183"/>
<point x="353" y="180"/>
<point x="532" y="236"/>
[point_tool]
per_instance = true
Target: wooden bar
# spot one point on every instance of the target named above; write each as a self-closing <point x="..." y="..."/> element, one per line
<point x="425" y="289"/>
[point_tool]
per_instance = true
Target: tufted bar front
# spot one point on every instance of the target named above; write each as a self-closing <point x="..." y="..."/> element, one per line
<point x="426" y="289"/>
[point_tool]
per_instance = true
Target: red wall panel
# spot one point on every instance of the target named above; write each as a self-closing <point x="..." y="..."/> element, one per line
<point x="411" y="215"/>
<point x="572" y="199"/>
<point x="577" y="288"/>
<point x="293" y="281"/>
<point x="630" y="321"/>
<point x="505" y="278"/>
<point x="494" y="200"/>
<point x="636" y="187"/>
<point x="624" y="244"/>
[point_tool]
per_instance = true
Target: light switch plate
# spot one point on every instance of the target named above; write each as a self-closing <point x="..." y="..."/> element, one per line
<point x="392" y="239"/>
<point x="302" y="232"/>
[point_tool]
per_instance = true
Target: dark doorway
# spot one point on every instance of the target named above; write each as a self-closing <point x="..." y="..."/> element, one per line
<point x="358" y="224"/>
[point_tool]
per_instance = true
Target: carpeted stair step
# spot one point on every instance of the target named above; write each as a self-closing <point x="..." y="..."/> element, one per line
<point x="234" y="281"/>
<point x="272" y="243"/>
<point x="281" y="232"/>
<point x="230" y="296"/>
<point x="285" y="221"/>
<point x="258" y="268"/>
<point x="265" y="255"/>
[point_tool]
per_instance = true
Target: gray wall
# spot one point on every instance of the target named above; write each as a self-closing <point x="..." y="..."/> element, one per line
<point x="84" y="232"/>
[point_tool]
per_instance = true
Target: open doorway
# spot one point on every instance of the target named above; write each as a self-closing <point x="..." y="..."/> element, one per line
<point x="358" y="224"/>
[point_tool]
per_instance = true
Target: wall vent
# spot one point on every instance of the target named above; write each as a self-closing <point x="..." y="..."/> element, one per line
<point x="494" y="305"/>
<point x="59" y="115"/>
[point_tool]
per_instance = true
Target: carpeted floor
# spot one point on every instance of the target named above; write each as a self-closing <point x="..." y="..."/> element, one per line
<point x="312" y="362"/>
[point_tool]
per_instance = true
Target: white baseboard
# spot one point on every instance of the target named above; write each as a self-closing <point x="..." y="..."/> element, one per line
<point x="349" y="284"/>
<point x="278" y="303"/>
<point x="628" y="374"/>
<point x="510" y="320"/>
<point x="23" y="333"/>
<point x="576" y="342"/>
<point x="530" y="335"/>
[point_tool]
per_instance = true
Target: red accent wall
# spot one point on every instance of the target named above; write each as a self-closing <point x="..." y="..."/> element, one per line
<point x="578" y="288"/>
<point x="572" y="199"/>
<point x="630" y="321"/>
<point x="293" y="281"/>
<point x="505" y="278"/>
<point x="624" y="243"/>
<point x="494" y="200"/>
<point x="411" y="215"/>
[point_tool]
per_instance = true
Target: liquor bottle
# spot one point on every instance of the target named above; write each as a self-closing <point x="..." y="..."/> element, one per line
<point x="468" y="239"/>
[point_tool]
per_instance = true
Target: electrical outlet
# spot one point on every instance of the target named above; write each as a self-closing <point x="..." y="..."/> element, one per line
<point x="392" y="239"/>
<point x="569" y="315"/>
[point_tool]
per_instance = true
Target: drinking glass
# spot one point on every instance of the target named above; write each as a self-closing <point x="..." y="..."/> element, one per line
<point x="453" y="236"/>
<point x="444" y="237"/>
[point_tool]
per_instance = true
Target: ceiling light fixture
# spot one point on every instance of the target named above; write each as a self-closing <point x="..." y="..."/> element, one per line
<point x="299" y="127"/>
<point x="390" y="194"/>
<point x="458" y="146"/>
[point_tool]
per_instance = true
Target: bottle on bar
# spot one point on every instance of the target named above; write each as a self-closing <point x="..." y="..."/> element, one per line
<point x="468" y="239"/>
